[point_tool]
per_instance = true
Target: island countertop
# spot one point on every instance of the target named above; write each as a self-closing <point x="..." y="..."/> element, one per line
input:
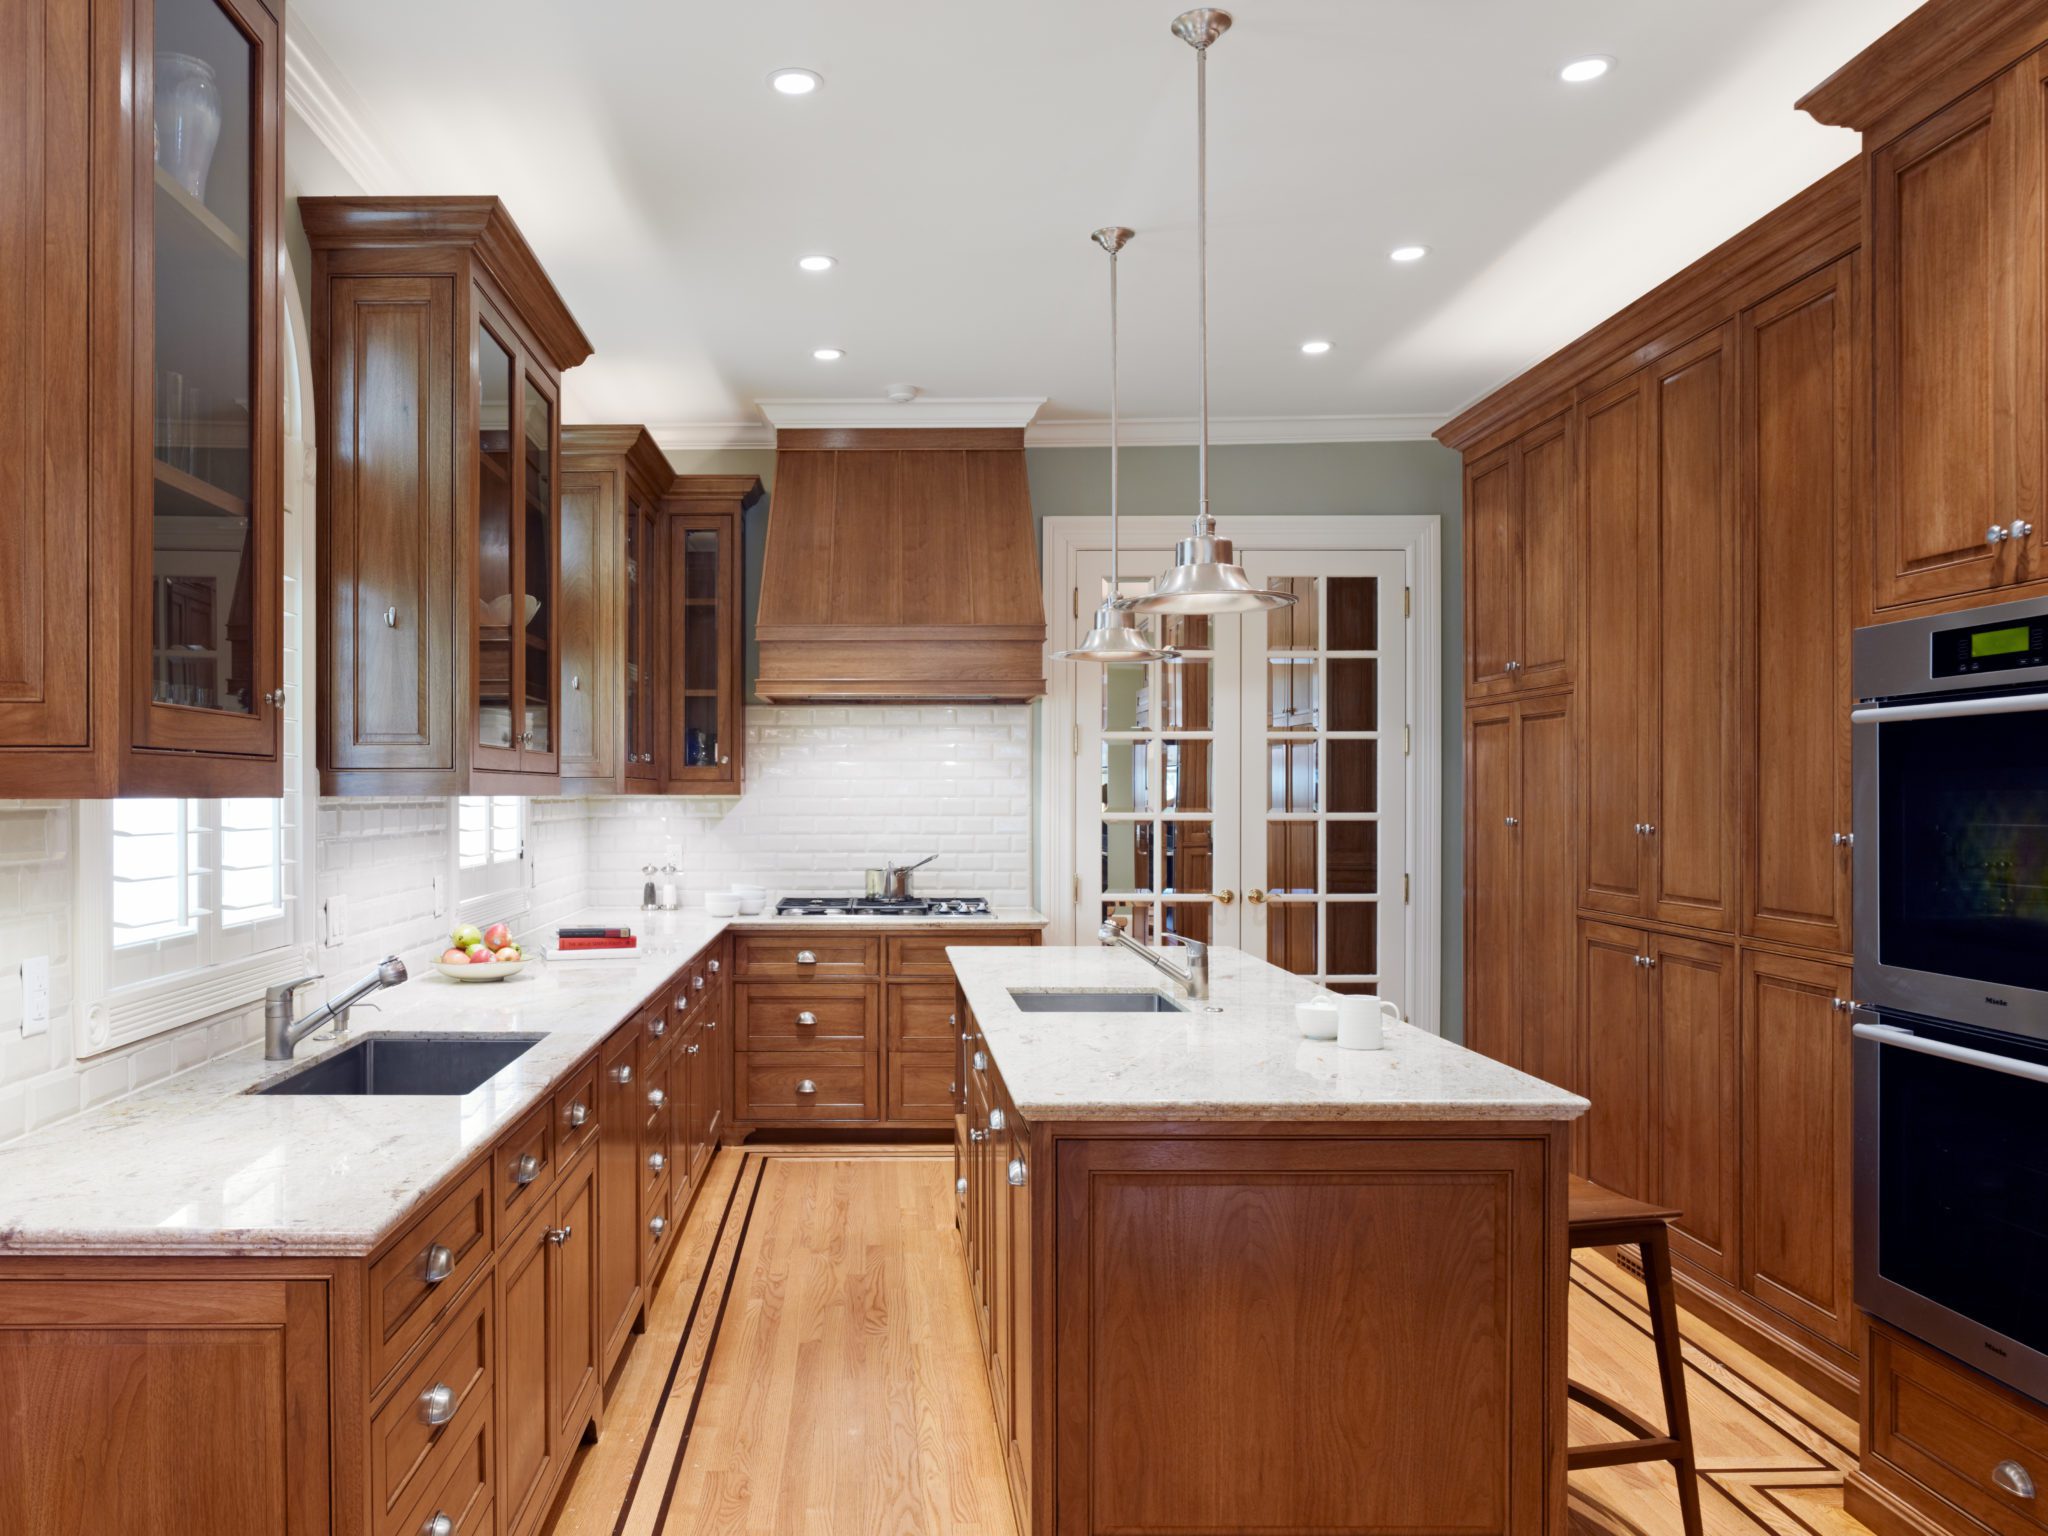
<point x="1237" y="1055"/>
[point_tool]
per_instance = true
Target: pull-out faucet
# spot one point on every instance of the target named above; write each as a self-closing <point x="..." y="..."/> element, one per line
<point x="1195" y="978"/>
<point x="282" y="1033"/>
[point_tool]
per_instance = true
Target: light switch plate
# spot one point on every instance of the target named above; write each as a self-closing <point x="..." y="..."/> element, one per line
<point x="35" y="995"/>
<point x="336" y="912"/>
<point x="440" y="905"/>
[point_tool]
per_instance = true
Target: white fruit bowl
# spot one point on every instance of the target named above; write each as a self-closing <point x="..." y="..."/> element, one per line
<point x="497" y="970"/>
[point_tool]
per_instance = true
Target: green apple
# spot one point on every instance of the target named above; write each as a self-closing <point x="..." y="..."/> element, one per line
<point x="468" y="936"/>
<point x="476" y="949"/>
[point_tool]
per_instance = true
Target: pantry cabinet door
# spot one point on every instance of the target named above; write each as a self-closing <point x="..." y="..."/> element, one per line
<point x="1696" y="1012"/>
<point x="1493" y="561"/>
<point x="1493" y="912"/>
<point x="1546" y="938"/>
<point x="1615" y="1034"/>
<point x="1547" y="512"/>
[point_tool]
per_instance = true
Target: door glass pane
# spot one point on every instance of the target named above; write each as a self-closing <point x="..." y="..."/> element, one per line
<point x="1185" y="696"/>
<point x="1354" y="858"/>
<point x="538" y="542"/>
<point x="1293" y="629"/>
<point x="1136" y="919"/>
<point x="1186" y="631"/>
<point x="1291" y="936"/>
<point x="703" y="663"/>
<point x="1190" y="855"/>
<point x="1124" y="779"/>
<point x="1354" y="694"/>
<point x="1291" y="857"/>
<point x="1127" y="856"/>
<point x="1354" y="613"/>
<point x="1126" y="697"/>
<point x="636" y="554"/>
<point x="1191" y="920"/>
<point x="1185" y="776"/>
<point x="203" y="622"/>
<point x="1291" y="781"/>
<point x="1354" y="775"/>
<point x="1291" y="693"/>
<point x="494" y="542"/>
<point x="1354" y="937"/>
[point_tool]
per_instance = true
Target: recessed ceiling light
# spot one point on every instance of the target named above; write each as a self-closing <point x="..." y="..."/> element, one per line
<point x="828" y="354"/>
<point x="1579" y="71"/>
<point x="1315" y="348"/>
<point x="816" y="263"/>
<point x="1408" y="253"/>
<point x="796" y="82"/>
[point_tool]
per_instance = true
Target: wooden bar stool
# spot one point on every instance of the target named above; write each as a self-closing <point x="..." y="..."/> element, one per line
<point x="1600" y="1218"/>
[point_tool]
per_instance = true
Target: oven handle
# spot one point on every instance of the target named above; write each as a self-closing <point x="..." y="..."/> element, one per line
<point x="1951" y="709"/>
<point x="1906" y="1040"/>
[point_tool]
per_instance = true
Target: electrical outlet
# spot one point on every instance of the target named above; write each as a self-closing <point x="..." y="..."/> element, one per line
<point x="336" y="912"/>
<point x="35" y="995"/>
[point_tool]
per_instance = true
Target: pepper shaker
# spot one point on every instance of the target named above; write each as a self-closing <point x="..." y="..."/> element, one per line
<point x="647" y="900"/>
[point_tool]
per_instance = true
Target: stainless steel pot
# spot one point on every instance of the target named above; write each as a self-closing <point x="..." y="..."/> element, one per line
<point x="896" y="882"/>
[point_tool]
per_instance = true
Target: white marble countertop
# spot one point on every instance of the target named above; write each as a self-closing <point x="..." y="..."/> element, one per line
<point x="197" y="1164"/>
<point x="1237" y="1056"/>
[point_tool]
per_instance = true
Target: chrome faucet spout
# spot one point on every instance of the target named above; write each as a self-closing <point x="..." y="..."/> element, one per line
<point x="282" y="1032"/>
<point x="1194" y="979"/>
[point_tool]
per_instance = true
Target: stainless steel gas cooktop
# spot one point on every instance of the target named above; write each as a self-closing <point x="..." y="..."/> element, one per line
<point x="876" y="906"/>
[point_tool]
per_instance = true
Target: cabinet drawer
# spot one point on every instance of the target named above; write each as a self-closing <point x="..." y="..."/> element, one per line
<point x="924" y="954"/>
<point x="462" y="1491"/>
<point x="523" y="1164"/>
<point x="657" y="1225"/>
<point x="452" y="1241"/>
<point x="921" y="1087"/>
<point x="576" y="1113"/>
<point x="658" y="1031"/>
<point x="795" y="1016"/>
<point x="689" y="991"/>
<point x="1952" y="1431"/>
<point x="771" y="1086"/>
<point x="921" y="1017"/>
<point x="833" y="956"/>
<point x="451" y="1381"/>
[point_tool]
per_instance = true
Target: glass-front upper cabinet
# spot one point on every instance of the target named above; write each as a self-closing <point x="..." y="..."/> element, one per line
<point x="210" y="518"/>
<point x="701" y="693"/>
<point x="642" y="672"/>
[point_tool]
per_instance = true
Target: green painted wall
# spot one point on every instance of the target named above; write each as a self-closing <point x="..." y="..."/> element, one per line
<point x="1411" y="479"/>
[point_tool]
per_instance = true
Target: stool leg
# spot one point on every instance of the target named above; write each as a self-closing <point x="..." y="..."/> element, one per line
<point x="1656" y="1251"/>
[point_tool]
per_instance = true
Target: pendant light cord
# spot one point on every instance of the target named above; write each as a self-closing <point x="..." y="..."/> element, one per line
<point x="1114" y="592"/>
<point x="1202" y="271"/>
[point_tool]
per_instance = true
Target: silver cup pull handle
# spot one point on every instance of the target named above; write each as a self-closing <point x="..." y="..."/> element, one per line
<point x="437" y="1263"/>
<point x="525" y="1169"/>
<point x="658" y="1225"/>
<point x="807" y="1018"/>
<point x="656" y="1098"/>
<point x="807" y="1086"/>
<point x="2014" y="1479"/>
<point x="437" y="1404"/>
<point x="1017" y="1172"/>
<point x="622" y="1075"/>
<point x="579" y="1114"/>
<point x="438" y="1524"/>
<point x="806" y="957"/>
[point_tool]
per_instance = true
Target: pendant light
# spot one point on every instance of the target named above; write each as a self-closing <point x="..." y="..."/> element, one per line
<point x="1206" y="577"/>
<point x="1116" y="635"/>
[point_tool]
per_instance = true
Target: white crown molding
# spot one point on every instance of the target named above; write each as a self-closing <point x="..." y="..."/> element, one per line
<point x="330" y="113"/>
<point x="711" y="436"/>
<point x="1174" y="432"/>
<point x="958" y="411"/>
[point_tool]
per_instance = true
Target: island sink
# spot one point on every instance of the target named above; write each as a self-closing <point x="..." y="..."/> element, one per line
<point x="443" y="1066"/>
<point x="1093" y="1002"/>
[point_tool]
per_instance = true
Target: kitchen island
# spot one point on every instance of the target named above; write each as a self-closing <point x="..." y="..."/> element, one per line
<point x="1230" y="1279"/>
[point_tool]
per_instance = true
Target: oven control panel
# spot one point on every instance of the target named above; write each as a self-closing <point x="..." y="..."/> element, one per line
<point x="1990" y="648"/>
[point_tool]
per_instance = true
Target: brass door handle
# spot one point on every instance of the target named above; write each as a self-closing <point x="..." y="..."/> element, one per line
<point x="1255" y="896"/>
<point x="1225" y="898"/>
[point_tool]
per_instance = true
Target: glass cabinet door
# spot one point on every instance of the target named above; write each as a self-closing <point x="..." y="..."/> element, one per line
<point x="702" y="600"/>
<point x="496" y="557"/>
<point x="640" y="682"/>
<point x="537" y="575"/>
<point x="211" y="627"/>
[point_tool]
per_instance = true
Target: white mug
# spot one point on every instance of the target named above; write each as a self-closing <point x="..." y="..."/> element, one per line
<point x="1361" y="1022"/>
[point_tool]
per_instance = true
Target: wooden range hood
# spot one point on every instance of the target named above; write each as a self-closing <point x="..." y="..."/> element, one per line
<point x="901" y="565"/>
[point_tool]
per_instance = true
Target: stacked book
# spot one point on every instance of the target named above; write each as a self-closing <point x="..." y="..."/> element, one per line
<point x="594" y="944"/>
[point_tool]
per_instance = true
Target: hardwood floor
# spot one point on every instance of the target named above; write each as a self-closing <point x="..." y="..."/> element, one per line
<point x="810" y="1366"/>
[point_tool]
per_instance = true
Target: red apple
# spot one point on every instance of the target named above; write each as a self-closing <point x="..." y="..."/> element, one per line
<point x="481" y="957"/>
<point x="496" y="937"/>
<point x="507" y="953"/>
<point x="476" y="951"/>
<point x="454" y="957"/>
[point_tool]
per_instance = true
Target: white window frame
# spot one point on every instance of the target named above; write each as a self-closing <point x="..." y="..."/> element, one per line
<point x="500" y="889"/>
<point x="109" y="1017"/>
<point x="1419" y="541"/>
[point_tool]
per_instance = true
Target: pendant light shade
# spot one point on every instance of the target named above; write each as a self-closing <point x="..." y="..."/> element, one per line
<point x="1116" y="635"/>
<point x="1206" y="577"/>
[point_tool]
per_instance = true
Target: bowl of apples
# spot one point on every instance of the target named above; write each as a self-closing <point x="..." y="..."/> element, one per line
<point x="481" y="954"/>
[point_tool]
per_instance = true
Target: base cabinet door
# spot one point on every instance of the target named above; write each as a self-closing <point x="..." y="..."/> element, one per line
<point x="164" y="1408"/>
<point x="1615" y="1006"/>
<point x="618" y="1193"/>
<point x="1546" y="849"/>
<point x="1493" y="914"/>
<point x="1696" y="1025"/>
<point x="1797" y="1105"/>
<point x="573" y="1283"/>
<point x="528" y="1389"/>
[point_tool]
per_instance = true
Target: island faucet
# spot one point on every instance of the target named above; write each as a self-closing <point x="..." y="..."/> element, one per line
<point x="1195" y="978"/>
<point x="282" y="1033"/>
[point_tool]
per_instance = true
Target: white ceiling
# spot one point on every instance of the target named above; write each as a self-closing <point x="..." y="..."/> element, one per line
<point x="961" y="150"/>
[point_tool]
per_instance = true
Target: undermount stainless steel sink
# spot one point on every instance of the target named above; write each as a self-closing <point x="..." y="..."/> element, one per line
<point x="440" y="1066"/>
<point x="1094" y="1002"/>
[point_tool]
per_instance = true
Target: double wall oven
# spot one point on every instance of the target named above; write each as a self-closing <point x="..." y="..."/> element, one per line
<point x="1951" y="1024"/>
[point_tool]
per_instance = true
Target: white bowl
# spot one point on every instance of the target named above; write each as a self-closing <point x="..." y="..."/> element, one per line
<point x="497" y="970"/>
<point x="1316" y="1020"/>
<point x="753" y="899"/>
<point x="722" y="904"/>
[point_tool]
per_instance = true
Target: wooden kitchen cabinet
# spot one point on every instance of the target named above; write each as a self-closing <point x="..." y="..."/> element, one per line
<point x="613" y="479"/>
<point x="703" y="531"/>
<point x="1520" y="627"/>
<point x="141" y="626"/>
<point x="619" y="1290"/>
<point x="440" y="345"/>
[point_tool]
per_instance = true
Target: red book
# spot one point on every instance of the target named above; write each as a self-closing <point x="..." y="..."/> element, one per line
<point x="627" y="943"/>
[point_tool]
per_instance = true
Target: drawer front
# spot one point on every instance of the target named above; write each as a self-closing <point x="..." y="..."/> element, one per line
<point x="921" y="1088"/>
<point x="657" y="1225"/>
<point x="576" y="1113"/>
<point x="657" y="1033"/>
<point x="924" y="954"/>
<point x="1963" y="1437"/>
<point x="791" y="1016"/>
<point x="691" y="988"/>
<point x="832" y="956"/>
<point x="771" y="1086"/>
<point x="451" y="1383"/>
<point x="921" y="1017"/>
<point x="451" y="1241"/>
<point x="462" y="1492"/>
<point x="523" y="1164"/>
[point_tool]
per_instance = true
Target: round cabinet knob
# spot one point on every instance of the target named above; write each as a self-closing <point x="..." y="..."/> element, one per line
<point x="656" y="1162"/>
<point x="560" y="1235"/>
<point x="656" y="1098"/>
<point x="807" y="1019"/>
<point x="2020" y="528"/>
<point x="712" y="966"/>
<point x="1843" y="1004"/>
<point x="576" y="684"/>
<point x="724" y="761"/>
<point x="1225" y="898"/>
<point x="391" y="618"/>
<point x="691" y="1050"/>
<point x="2014" y="1479"/>
<point x="1994" y="535"/>
<point x="806" y="957"/>
<point x="437" y="1404"/>
<point x="525" y="1168"/>
<point x="960" y="1186"/>
<point x="1843" y="839"/>
<point x="276" y="698"/>
<point x="1017" y="1172"/>
<point x="622" y="1075"/>
<point x="977" y="1135"/>
<point x="1649" y="829"/>
<point x="1512" y="821"/>
<point x="437" y="1264"/>
<point x="579" y="1113"/>
<point x="438" y="1524"/>
<point x="658" y="1225"/>
<point x="658" y="1028"/>
<point x="807" y="1086"/>
<point x="997" y="1120"/>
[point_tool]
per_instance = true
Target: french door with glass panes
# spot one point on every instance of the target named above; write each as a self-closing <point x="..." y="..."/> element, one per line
<point x="1252" y="792"/>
